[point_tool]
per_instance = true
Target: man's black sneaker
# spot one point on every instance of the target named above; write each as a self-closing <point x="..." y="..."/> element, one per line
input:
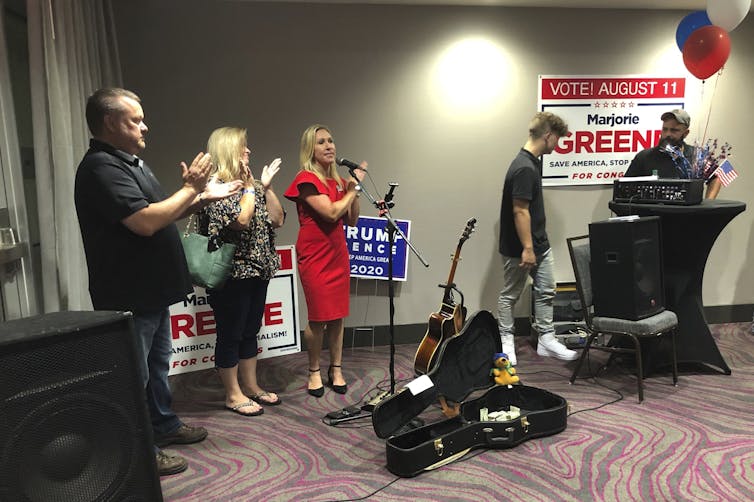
<point x="185" y="434"/>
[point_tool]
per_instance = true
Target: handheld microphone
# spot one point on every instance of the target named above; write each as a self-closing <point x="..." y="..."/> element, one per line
<point x="347" y="163"/>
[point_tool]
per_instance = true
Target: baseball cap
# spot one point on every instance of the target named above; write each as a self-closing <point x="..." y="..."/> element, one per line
<point x="679" y="115"/>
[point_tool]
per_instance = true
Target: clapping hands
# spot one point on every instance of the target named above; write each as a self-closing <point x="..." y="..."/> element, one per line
<point x="215" y="190"/>
<point x="269" y="172"/>
<point x="197" y="174"/>
<point x="361" y="172"/>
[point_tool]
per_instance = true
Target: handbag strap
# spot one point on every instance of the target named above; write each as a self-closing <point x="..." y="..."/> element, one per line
<point x="188" y="226"/>
<point x="215" y="242"/>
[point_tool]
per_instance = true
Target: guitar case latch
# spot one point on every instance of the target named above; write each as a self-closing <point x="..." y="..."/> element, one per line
<point x="439" y="447"/>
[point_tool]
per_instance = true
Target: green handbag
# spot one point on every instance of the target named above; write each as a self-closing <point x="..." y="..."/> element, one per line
<point x="208" y="269"/>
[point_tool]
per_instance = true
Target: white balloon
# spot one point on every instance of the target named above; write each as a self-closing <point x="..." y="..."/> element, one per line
<point x="727" y="14"/>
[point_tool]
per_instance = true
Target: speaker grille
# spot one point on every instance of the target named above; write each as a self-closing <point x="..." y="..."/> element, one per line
<point x="77" y="426"/>
<point x="646" y="273"/>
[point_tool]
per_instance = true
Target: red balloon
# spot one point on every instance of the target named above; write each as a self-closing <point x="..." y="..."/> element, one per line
<point x="706" y="50"/>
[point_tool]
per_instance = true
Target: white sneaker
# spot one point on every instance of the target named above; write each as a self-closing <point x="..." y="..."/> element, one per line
<point x="509" y="348"/>
<point x="549" y="346"/>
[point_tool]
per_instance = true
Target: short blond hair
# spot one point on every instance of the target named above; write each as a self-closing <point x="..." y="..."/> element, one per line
<point x="544" y="122"/>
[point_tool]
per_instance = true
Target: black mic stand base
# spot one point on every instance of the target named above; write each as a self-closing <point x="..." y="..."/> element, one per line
<point x="345" y="415"/>
<point x="355" y="411"/>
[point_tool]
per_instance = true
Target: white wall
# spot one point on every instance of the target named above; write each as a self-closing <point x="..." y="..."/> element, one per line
<point x="368" y="72"/>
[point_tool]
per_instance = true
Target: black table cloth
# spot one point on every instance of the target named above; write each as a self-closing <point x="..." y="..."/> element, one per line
<point x="688" y="234"/>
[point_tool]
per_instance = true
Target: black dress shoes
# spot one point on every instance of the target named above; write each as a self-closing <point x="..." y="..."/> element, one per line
<point x="318" y="392"/>
<point x="340" y="389"/>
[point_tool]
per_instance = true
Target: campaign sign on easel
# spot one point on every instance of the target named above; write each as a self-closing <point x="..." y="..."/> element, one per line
<point x="368" y="246"/>
<point x="192" y="322"/>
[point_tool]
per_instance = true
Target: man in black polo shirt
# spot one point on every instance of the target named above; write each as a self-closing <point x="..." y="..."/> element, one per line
<point x="133" y="249"/>
<point x="666" y="162"/>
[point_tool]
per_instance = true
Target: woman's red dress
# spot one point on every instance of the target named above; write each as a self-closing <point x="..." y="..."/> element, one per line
<point x="322" y="253"/>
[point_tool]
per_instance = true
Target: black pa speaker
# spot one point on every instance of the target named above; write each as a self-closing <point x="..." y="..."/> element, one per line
<point x="75" y="425"/>
<point x="626" y="267"/>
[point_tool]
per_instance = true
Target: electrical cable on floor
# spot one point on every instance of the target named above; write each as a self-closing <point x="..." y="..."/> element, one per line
<point x="462" y="459"/>
<point x="367" y="496"/>
<point x="593" y="376"/>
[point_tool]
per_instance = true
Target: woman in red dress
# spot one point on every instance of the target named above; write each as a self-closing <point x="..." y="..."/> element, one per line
<point x="324" y="202"/>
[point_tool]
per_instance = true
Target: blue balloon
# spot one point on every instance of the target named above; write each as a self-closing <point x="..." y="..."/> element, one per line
<point x="689" y="24"/>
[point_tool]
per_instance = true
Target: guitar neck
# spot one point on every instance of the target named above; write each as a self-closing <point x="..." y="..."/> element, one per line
<point x="447" y="298"/>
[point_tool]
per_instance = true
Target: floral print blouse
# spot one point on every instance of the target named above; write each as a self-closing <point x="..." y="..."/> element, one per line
<point x="255" y="254"/>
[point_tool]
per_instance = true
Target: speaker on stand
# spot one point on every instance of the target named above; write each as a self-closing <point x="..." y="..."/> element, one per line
<point x="75" y="425"/>
<point x="626" y="267"/>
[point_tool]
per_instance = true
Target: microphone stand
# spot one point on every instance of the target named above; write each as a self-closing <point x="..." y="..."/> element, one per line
<point x="383" y="207"/>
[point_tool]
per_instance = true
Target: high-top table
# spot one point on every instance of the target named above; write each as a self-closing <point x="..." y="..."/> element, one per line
<point x="688" y="233"/>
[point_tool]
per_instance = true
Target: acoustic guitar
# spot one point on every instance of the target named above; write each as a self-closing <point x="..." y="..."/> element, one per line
<point x="448" y="321"/>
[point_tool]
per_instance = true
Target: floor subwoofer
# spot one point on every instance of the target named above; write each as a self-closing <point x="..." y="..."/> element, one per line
<point x="75" y="426"/>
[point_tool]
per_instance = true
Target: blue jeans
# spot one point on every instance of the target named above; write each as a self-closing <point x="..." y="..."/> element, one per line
<point x="154" y="343"/>
<point x="514" y="280"/>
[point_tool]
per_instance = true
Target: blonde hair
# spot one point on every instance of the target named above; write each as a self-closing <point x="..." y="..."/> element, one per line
<point x="544" y="122"/>
<point x="306" y="155"/>
<point x="226" y="146"/>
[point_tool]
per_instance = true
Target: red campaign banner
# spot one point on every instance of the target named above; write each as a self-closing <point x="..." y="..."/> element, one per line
<point x="613" y="88"/>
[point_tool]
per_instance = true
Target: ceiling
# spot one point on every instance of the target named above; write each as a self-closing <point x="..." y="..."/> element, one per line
<point x="690" y="5"/>
<point x="18" y="6"/>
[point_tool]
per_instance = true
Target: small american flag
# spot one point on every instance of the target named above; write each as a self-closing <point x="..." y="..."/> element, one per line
<point x="726" y="173"/>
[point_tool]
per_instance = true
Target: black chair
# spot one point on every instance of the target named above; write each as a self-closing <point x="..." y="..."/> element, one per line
<point x="663" y="323"/>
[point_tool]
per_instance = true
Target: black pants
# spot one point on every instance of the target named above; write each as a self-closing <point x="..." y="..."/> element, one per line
<point x="239" y="307"/>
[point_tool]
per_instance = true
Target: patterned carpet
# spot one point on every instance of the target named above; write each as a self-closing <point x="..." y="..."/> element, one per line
<point x="690" y="442"/>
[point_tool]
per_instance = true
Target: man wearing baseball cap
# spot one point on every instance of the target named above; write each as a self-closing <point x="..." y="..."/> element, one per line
<point x="664" y="158"/>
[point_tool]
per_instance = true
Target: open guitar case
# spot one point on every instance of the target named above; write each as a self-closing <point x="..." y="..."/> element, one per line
<point x="463" y="366"/>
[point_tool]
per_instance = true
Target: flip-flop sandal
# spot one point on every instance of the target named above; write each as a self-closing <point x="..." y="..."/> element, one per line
<point x="237" y="409"/>
<point x="258" y="398"/>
